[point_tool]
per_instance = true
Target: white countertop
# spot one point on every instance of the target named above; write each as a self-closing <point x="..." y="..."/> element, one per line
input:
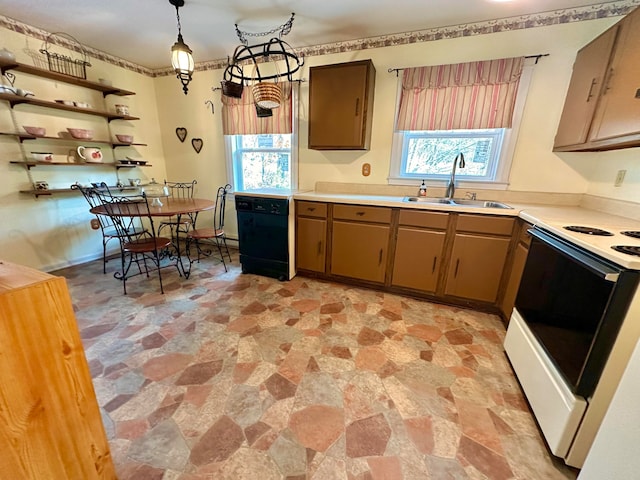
<point x="549" y="217"/>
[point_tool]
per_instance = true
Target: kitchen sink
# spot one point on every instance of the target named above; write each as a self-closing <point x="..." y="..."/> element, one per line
<point x="462" y="202"/>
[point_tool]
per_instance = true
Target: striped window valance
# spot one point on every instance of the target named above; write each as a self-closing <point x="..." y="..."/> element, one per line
<point x="239" y="115"/>
<point x="474" y="95"/>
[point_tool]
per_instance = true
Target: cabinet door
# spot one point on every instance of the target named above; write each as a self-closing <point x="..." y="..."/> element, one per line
<point x="417" y="260"/>
<point x="589" y="71"/>
<point x="340" y="106"/>
<point x="517" y="267"/>
<point x="311" y="244"/>
<point x="619" y="110"/>
<point x="359" y="250"/>
<point x="476" y="267"/>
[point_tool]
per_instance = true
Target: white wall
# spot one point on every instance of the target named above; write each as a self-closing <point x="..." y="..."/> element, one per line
<point x="60" y="233"/>
<point x="614" y="452"/>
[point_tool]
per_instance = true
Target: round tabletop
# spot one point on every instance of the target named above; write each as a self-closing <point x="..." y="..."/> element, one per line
<point x="170" y="206"/>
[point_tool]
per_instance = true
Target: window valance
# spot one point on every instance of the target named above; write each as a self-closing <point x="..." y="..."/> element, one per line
<point x="239" y="116"/>
<point x="473" y="95"/>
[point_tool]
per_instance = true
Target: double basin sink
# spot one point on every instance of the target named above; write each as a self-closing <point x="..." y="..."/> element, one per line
<point x="460" y="202"/>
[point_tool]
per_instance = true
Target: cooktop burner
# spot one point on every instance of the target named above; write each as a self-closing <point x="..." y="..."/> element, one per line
<point x="588" y="230"/>
<point x="628" y="249"/>
<point x="631" y="233"/>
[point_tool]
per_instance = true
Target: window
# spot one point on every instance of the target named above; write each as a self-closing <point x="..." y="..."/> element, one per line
<point x="474" y="108"/>
<point x="261" y="161"/>
<point x="430" y="154"/>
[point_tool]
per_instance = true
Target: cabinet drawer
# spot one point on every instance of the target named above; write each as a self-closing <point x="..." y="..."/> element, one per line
<point x="416" y="218"/>
<point x="483" y="224"/>
<point x="361" y="213"/>
<point x="312" y="209"/>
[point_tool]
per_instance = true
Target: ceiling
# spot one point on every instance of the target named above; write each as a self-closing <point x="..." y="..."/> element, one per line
<point x="142" y="31"/>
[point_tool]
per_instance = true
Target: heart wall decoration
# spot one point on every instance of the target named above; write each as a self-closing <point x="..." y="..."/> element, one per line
<point x="197" y="143"/>
<point x="181" y="132"/>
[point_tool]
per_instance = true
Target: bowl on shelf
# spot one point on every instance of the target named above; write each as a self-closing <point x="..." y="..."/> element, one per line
<point x="35" y="131"/>
<point x="42" y="156"/>
<point x="82" y="104"/>
<point x="81" y="133"/>
<point x="65" y="102"/>
<point x="124" y="138"/>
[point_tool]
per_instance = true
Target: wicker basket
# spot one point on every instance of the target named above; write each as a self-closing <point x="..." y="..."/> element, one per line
<point x="62" y="63"/>
<point x="267" y="94"/>
<point x="230" y="88"/>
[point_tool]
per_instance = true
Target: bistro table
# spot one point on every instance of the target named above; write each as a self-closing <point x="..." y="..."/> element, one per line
<point x="171" y="207"/>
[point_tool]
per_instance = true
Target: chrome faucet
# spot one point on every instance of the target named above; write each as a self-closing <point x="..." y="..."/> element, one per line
<point x="451" y="188"/>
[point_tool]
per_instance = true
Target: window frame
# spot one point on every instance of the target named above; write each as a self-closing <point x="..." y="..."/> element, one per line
<point x="500" y="180"/>
<point x="230" y="150"/>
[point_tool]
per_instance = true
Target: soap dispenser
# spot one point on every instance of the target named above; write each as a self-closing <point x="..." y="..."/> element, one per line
<point x="423" y="190"/>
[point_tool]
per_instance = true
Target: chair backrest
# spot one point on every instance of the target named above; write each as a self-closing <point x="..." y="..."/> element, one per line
<point x="220" y="207"/>
<point x="91" y="196"/>
<point x="124" y="212"/>
<point x="181" y="189"/>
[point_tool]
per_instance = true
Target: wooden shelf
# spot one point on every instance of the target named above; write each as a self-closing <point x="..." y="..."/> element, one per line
<point x="24" y="68"/>
<point x="55" y="191"/>
<point x="30" y="164"/>
<point x="17" y="100"/>
<point x="26" y="136"/>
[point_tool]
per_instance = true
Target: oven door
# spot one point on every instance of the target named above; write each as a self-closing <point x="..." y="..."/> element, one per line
<point x="569" y="309"/>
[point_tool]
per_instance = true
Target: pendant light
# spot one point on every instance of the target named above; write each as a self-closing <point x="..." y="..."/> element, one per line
<point x="181" y="58"/>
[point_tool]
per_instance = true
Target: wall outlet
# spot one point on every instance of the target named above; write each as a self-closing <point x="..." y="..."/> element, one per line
<point x="619" y="178"/>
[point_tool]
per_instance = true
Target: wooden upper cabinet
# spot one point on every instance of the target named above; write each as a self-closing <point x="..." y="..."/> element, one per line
<point x="602" y="107"/>
<point x="341" y="105"/>
<point x="589" y="71"/>
<point x="619" y="111"/>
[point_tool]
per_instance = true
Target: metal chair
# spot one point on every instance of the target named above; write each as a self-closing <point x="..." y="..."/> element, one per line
<point x="104" y="222"/>
<point x="180" y="190"/>
<point x="214" y="236"/>
<point x="136" y="248"/>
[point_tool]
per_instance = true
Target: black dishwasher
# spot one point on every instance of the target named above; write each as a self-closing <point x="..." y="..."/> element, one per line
<point x="263" y="235"/>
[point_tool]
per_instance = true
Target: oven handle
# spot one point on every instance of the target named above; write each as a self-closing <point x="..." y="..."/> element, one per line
<point x="604" y="270"/>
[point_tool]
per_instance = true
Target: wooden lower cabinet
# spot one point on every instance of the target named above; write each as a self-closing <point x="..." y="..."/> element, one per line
<point x="476" y="267"/>
<point x="311" y="244"/>
<point x="359" y="250"/>
<point x="50" y="421"/>
<point x="417" y="259"/>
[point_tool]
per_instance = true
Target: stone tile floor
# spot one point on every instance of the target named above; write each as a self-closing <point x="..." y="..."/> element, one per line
<point x="232" y="376"/>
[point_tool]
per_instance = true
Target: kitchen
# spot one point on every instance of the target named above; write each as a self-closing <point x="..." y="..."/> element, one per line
<point x="53" y="233"/>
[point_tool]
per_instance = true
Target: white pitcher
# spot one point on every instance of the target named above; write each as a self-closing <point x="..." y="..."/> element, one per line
<point x="90" y="154"/>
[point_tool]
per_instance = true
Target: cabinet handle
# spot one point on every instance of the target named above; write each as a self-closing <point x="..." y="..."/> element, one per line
<point x="380" y="258"/>
<point x="455" y="274"/>
<point x="311" y="209"/>
<point x="360" y="214"/>
<point x="357" y="107"/>
<point x="433" y="268"/>
<point x="590" y="94"/>
<point x="320" y="247"/>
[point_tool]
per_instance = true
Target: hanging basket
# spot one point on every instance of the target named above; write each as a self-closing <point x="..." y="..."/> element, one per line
<point x="63" y="63"/>
<point x="229" y="87"/>
<point x="266" y="94"/>
<point x="263" y="112"/>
